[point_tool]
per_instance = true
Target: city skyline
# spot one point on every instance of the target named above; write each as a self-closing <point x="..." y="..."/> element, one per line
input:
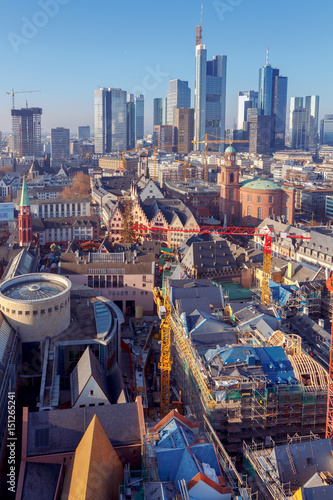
<point x="140" y="62"/>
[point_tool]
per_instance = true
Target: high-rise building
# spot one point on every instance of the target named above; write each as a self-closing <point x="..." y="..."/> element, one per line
<point x="139" y="117"/>
<point x="163" y="135"/>
<point x="130" y="122"/>
<point x="59" y="146"/>
<point x="110" y="120"/>
<point x="0" y="142"/>
<point x="160" y="111"/>
<point x="295" y="103"/>
<point x="298" y="138"/>
<point x="246" y="99"/>
<point x="259" y="132"/>
<point x="210" y="93"/>
<point x="272" y="101"/>
<point x="26" y="127"/>
<point x="326" y="130"/>
<point x="312" y="107"/>
<point x="83" y="132"/>
<point x="178" y="96"/>
<point x="184" y="129"/>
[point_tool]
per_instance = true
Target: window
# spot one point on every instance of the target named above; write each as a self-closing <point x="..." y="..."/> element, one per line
<point x="90" y="281"/>
<point x="287" y="199"/>
<point x="259" y="199"/>
<point x="49" y="310"/>
<point x="248" y="197"/>
<point x="241" y="197"/>
<point x="19" y="312"/>
<point x="259" y="213"/>
<point x="270" y="210"/>
<point x="231" y="197"/>
<point x="115" y="281"/>
<point x="42" y="311"/>
<point x="248" y="211"/>
<point x="35" y="313"/>
<point x="232" y="177"/>
<point x="270" y="200"/>
<point x="121" y="281"/>
<point x="91" y="393"/>
<point x="108" y="282"/>
<point x="27" y="313"/>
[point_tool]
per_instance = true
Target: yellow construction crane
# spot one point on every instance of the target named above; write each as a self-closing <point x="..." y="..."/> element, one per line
<point x="13" y="92"/>
<point x="186" y="165"/>
<point x="123" y="153"/>
<point x="214" y="141"/>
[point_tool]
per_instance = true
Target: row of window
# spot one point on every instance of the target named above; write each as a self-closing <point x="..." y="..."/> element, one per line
<point x="35" y="312"/>
<point x="111" y="281"/>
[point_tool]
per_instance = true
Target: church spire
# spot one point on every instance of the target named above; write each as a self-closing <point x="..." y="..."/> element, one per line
<point x="24" y="195"/>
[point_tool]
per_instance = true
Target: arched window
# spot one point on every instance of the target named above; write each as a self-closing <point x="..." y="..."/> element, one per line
<point x="259" y="199"/>
<point x="259" y="211"/>
<point x="248" y="210"/>
<point x="232" y="177"/>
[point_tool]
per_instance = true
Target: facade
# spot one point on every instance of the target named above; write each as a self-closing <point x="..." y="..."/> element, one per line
<point x="326" y="130"/>
<point x="313" y="202"/>
<point x="59" y="146"/>
<point x="216" y="82"/>
<point x="25" y="218"/>
<point x="160" y="111"/>
<point x="163" y="135"/>
<point x="130" y="122"/>
<point x="312" y="107"/>
<point x="37" y="306"/>
<point x="48" y="209"/>
<point x="280" y="111"/>
<point x="299" y="128"/>
<point x="139" y="117"/>
<point x="246" y="99"/>
<point x="83" y="132"/>
<point x="184" y="130"/>
<point x="295" y="103"/>
<point x="329" y="207"/>
<point x="260" y="132"/>
<point x="110" y="116"/>
<point x="65" y="229"/>
<point x="26" y="128"/>
<point x="200" y="92"/>
<point x="230" y="194"/>
<point x="178" y="96"/>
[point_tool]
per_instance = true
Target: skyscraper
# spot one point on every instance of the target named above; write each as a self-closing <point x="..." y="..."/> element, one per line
<point x="246" y="99"/>
<point x="130" y="122"/>
<point x="59" y="146"/>
<point x="295" y="103"/>
<point x="210" y="93"/>
<point x="299" y="128"/>
<point x="312" y="107"/>
<point x="326" y="130"/>
<point x="83" y="132"/>
<point x="26" y="127"/>
<point x="163" y="135"/>
<point x="139" y="117"/>
<point x="110" y="120"/>
<point x="160" y="111"/>
<point x="184" y="129"/>
<point x="178" y="96"/>
<point x="259" y="132"/>
<point x="272" y="101"/>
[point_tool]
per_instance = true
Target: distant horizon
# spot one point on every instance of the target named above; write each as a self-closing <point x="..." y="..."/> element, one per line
<point x="71" y="51"/>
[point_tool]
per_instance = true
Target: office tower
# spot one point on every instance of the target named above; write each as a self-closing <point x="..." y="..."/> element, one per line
<point x="295" y="103"/>
<point x="139" y="117"/>
<point x="246" y="99"/>
<point x="59" y="146"/>
<point x="326" y="130"/>
<point x="184" y="129"/>
<point x="110" y="120"/>
<point x="0" y="142"/>
<point x="312" y="107"/>
<point x="272" y="101"/>
<point x="83" y="132"/>
<point x="160" y="111"/>
<point x="210" y="94"/>
<point x="26" y="127"/>
<point x="163" y="135"/>
<point x="259" y="132"/>
<point x="298" y="138"/>
<point x="178" y="96"/>
<point x="130" y="122"/>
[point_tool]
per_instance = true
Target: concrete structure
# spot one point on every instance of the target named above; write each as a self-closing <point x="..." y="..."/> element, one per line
<point x="26" y="127"/>
<point x="313" y="202"/>
<point x="36" y="305"/>
<point x="260" y="132"/>
<point x="184" y="130"/>
<point x="59" y="146"/>
<point x="48" y="209"/>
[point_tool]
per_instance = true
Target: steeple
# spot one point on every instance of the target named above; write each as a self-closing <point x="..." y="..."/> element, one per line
<point x="24" y="196"/>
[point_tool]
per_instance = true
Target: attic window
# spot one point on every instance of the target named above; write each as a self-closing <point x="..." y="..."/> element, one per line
<point x="309" y="461"/>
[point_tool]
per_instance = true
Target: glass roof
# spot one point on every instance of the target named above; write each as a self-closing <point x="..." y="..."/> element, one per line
<point x="34" y="290"/>
<point x="102" y="319"/>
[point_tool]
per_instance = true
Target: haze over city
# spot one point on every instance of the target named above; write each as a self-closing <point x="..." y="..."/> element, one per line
<point x="68" y="48"/>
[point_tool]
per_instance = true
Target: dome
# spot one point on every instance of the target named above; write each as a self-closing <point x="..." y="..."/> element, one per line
<point x="260" y="185"/>
<point x="230" y="149"/>
<point x="34" y="290"/>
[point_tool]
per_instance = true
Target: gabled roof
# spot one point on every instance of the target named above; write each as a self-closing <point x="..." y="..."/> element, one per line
<point x="87" y="367"/>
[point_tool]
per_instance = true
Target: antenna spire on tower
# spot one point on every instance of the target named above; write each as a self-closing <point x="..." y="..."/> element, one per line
<point x="201" y="15"/>
<point x="267" y="56"/>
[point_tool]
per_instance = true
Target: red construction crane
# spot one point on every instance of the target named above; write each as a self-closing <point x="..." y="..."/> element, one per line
<point x="265" y="232"/>
<point x="329" y="414"/>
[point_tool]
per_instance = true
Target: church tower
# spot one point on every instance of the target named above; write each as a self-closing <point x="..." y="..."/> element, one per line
<point x="25" y="218"/>
<point x="230" y="195"/>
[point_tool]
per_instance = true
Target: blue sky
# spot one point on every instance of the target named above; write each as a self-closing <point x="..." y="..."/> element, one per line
<point x="74" y="46"/>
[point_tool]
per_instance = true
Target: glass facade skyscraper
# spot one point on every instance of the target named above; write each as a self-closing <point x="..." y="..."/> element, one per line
<point x="178" y="96"/>
<point x="139" y="117"/>
<point x="246" y="99"/>
<point x="130" y="122"/>
<point x="312" y="107"/>
<point x="26" y="127"/>
<point x="200" y="95"/>
<point x="110" y="117"/>
<point x="326" y="130"/>
<point x="160" y="111"/>
<point x="280" y="111"/>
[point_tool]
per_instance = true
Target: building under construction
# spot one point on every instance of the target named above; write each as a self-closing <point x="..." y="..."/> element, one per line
<point x="250" y="385"/>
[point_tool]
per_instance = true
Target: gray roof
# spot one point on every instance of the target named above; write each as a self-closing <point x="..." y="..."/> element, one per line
<point x="209" y="255"/>
<point x="87" y="367"/>
<point x="62" y="430"/>
<point x="308" y="458"/>
<point x="40" y="481"/>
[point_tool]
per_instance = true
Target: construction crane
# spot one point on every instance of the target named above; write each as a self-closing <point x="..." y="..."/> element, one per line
<point x="169" y="321"/>
<point x="213" y="141"/>
<point x="329" y="414"/>
<point x="13" y="92"/>
<point x="186" y="165"/>
<point x="123" y="153"/>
